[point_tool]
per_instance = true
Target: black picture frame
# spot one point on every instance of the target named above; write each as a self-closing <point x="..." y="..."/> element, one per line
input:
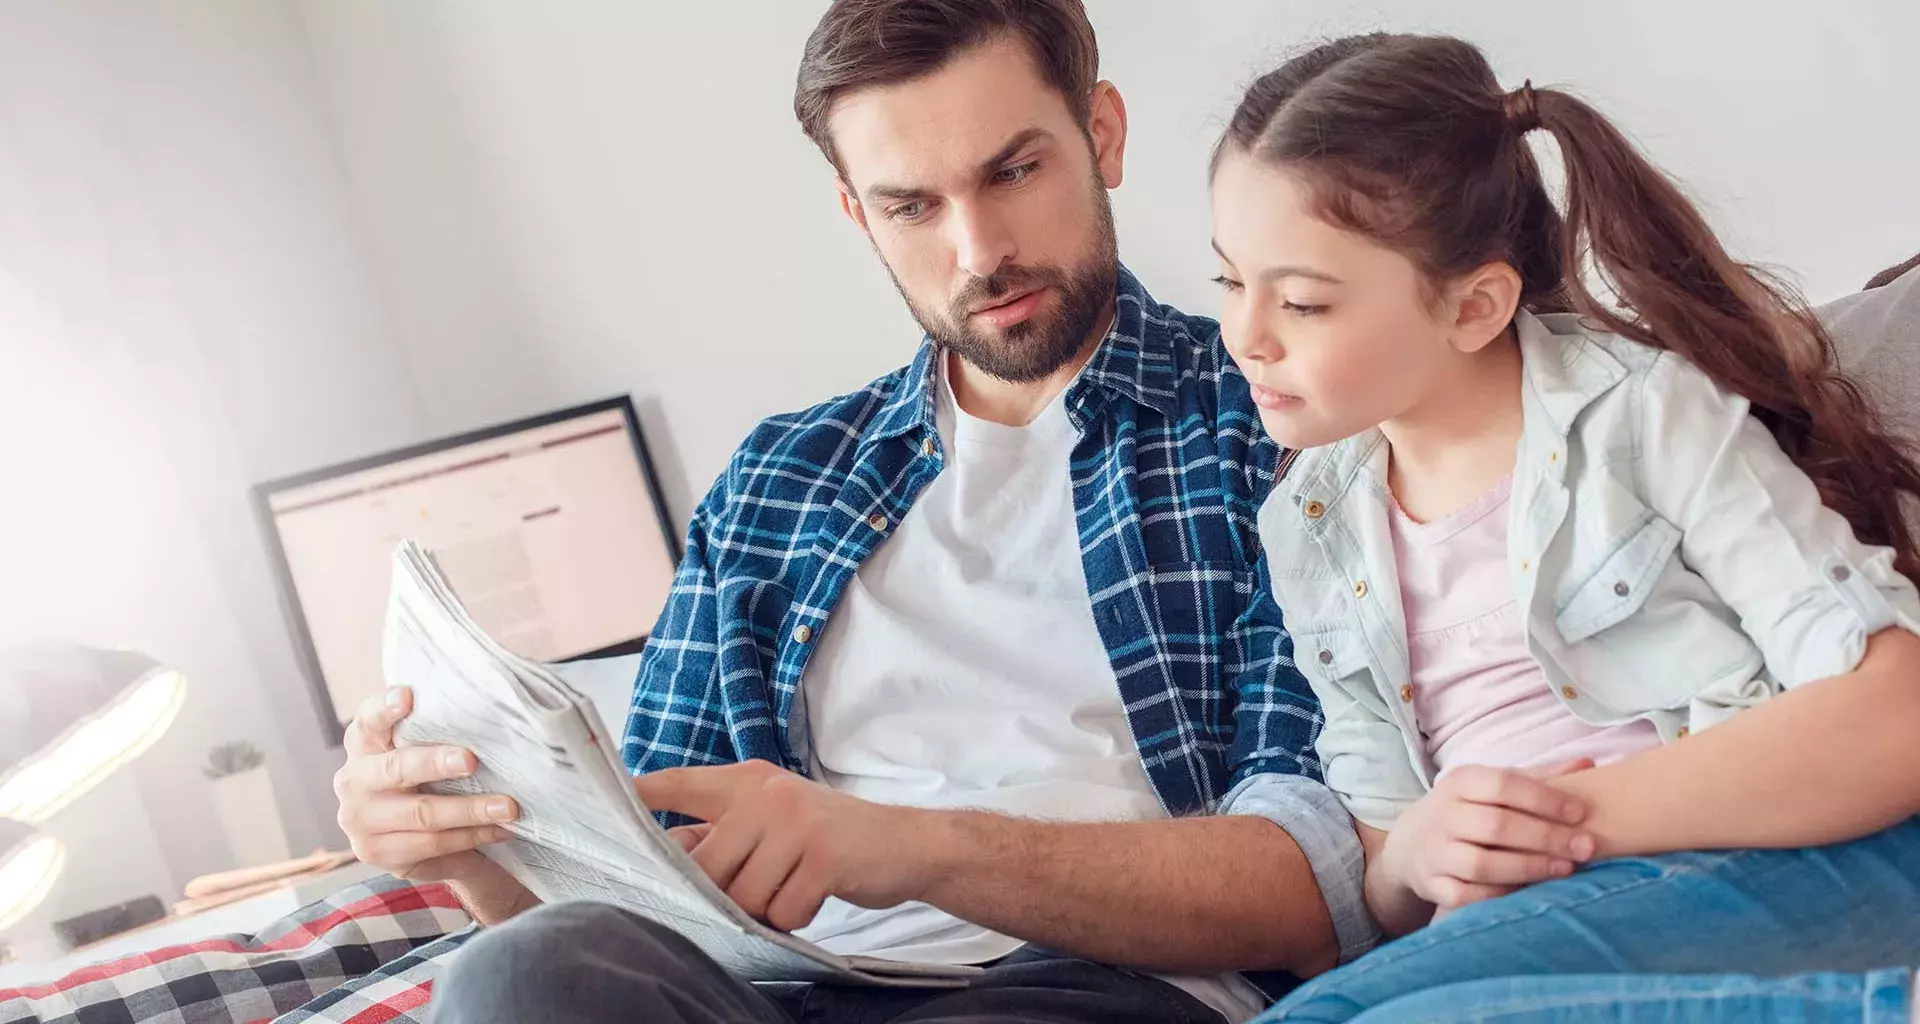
<point x="332" y="724"/>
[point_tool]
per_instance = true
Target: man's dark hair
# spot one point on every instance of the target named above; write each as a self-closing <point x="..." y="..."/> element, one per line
<point x="862" y="44"/>
<point x="1892" y="274"/>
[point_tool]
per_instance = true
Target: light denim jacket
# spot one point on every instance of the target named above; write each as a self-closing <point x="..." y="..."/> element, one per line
<point x="1670" y="562"/>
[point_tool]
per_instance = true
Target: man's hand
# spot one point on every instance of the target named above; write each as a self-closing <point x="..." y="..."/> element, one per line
<point x="780" y="844"/>
<point x="1484" y="832"/>
<point x="422" y="838"/>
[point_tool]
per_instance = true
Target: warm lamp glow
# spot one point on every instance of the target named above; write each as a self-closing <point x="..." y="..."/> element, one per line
<point x="27" y="876"/>
<point x="92" y="749"/>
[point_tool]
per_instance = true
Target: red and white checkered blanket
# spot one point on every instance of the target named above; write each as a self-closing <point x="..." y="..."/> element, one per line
<point x="368" y="955"/>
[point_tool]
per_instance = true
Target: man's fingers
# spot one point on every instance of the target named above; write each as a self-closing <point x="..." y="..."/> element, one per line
<point x="690" y="836"/>
<point x="398" y="849"/>
<point x="725" y="850"/>
<point x="799" y="900"/>
<point x="409" y="767"/>
<point x="1505" y="788"/>
<point x="1480" y="865"/>
<point x="421" y="813"/>
<point x="371" y="731"/>
<point x="765" y="871"/>
<point x="1485" y="825"/>
<point x="702" y="792"/>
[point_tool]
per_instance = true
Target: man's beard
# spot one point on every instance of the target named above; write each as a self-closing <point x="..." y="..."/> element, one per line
<point x="1036" y="347"/>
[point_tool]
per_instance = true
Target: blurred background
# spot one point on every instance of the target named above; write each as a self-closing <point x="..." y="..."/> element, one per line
<point x="241" y="239"/>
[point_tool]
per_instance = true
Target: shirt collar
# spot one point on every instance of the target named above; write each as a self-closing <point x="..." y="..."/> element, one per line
<point x="1565" y="369"/>
<point x="1134" y="361"/>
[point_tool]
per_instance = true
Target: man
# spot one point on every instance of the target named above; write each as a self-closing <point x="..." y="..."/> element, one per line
<point x="977" y="665"/>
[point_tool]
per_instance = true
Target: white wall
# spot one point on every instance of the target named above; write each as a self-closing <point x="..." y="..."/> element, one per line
<point x="245" y="237"/>
<point x="186" y="307"/>
<point x="570" y="199"/>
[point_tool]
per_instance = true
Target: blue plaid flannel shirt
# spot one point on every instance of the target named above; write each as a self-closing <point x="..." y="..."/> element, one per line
<point x="1168" y="477"/>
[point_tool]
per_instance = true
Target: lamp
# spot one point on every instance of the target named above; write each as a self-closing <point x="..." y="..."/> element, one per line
<point x="29" y="865"/>
<point x="71" y="716"/>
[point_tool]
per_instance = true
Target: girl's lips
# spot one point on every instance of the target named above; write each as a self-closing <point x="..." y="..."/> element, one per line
<point x="1267" y="398"/>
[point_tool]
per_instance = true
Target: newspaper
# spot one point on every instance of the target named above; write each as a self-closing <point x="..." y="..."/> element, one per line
<point x="583" y="833"/>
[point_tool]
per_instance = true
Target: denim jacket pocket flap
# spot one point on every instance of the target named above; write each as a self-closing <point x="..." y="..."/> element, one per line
<point x="1620" y="583"/>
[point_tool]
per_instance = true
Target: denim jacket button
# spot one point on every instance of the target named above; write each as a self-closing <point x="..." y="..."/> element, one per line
<point x="1620" y="589"/>
<point x="1314" y="510"/>
<point x="1406" y="693"/>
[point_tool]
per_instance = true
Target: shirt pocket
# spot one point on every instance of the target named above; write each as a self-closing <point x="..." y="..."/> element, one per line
<point x="1640" y="631"/>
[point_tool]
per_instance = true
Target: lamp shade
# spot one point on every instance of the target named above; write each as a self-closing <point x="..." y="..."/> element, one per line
<point x="71" y="716"/>
<point x="29" y="865"/>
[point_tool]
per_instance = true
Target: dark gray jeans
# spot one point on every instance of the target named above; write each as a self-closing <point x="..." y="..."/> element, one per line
<point x="585" y="963"/>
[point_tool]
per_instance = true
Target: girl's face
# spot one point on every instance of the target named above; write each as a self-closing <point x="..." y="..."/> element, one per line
<point x="1334" y="331"/>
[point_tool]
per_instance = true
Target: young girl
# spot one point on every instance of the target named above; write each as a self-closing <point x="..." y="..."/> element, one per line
<point x="1526" y="532"/>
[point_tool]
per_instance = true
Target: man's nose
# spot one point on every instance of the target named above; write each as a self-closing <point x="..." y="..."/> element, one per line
<point x="983" y="242"/>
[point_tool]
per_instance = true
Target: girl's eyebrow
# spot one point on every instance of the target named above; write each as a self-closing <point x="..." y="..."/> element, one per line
<point x="1277" y="273"/>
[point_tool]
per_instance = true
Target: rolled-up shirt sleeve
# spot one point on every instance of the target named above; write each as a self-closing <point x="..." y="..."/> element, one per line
<point x="1807" y="590"/>
<point x="1311" y="814"/>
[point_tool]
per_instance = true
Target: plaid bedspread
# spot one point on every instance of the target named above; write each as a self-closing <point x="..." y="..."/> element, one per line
<point x="368" y="955"/>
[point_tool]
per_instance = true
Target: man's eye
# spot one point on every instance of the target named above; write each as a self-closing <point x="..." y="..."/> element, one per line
<point x="908" y="211"/>
<point x="1015" y="175"/>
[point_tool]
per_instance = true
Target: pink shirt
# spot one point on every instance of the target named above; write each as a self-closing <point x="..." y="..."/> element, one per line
<point x="1479" y="696"/>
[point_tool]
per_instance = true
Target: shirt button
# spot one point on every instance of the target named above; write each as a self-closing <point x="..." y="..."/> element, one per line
<point x="1841" y="574"/>
<point x="802" y="634"/>
<point x="1620" y="589"/>
<point x="877" y="521"/>
<point x="1683" y="733"/>
<point x="1406" y="693"/>
<point x="1326" y="657"/>
<point x="1569" y="692"/>
<point x="1360" y="589"/>
<point x="1526" y="564"/>
<point x="1554" y="455"/>
<point x="1314" y="510"/>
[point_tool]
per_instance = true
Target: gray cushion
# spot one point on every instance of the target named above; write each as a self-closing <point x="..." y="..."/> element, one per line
<point x="1877" y="333"/>
<point x="1878" y="336"/>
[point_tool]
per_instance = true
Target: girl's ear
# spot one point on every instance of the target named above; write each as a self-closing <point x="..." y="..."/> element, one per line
<point x="1483" y="303"/>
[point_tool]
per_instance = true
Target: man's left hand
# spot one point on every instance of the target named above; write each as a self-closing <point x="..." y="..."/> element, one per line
<point x="780" y="844"/>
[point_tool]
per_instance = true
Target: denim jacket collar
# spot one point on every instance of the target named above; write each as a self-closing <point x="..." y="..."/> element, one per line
<point x="1564" y="372"/>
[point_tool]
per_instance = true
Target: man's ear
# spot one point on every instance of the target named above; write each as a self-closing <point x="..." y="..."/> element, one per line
<point x="1107" y="126"/>
<point x="850" y="205"/>
<point x="1483" y="303"/>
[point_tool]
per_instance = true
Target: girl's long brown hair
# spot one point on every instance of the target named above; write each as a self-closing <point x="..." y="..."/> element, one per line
<point x="1411" y="141"/>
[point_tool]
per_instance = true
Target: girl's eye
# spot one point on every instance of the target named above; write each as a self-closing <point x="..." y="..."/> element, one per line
<point x="1298" y="309"/>
<point x="1227" y="282"/>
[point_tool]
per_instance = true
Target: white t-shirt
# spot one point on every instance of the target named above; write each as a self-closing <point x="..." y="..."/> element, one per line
<point x="962" y="668"/>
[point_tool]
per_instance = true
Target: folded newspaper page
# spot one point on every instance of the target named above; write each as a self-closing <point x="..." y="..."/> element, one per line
<point x="583" y="833"/>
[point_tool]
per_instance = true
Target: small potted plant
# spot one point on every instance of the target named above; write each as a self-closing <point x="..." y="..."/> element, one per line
<point x="243" y="798"/>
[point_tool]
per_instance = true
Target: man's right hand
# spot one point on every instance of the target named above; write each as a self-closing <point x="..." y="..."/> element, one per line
<point x="416" y="836"/>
